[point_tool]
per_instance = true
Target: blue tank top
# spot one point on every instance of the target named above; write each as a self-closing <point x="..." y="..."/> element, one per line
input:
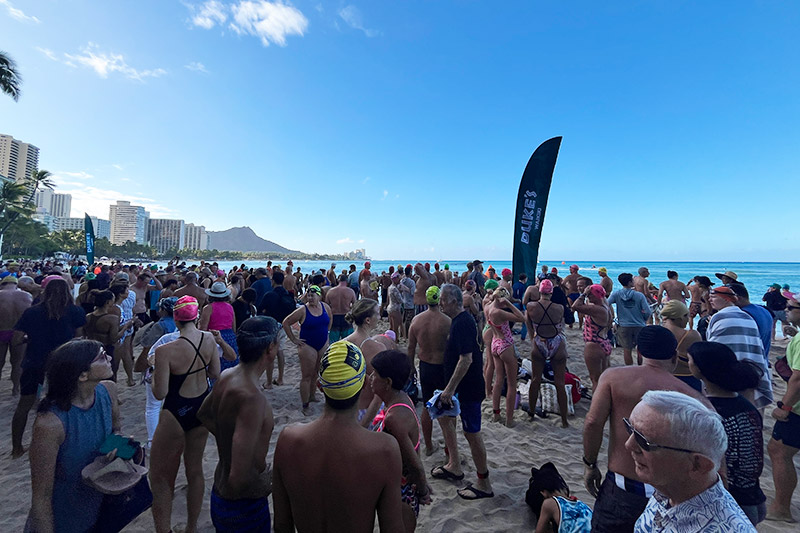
<point x="75" y="504"/>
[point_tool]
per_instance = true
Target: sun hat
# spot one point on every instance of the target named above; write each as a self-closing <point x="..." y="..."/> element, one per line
<point x="112" y="477"/>
<point x="120" y="278"/>
<point x="432" y="295"/>
<point x="185" y="309"/>
<point x="728" y="273"/>
<point x="490" y="284"/>
<point x="342" y="370"/>
<point x="546" y="286"/>
<point x="9" y="279"/>
<point x="674" y="309"/>
<point x="218" y="290"/>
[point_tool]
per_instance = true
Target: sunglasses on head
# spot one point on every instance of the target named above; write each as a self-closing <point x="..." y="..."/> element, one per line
<point x="793" y="307"/>
<point x="645" y="445"/>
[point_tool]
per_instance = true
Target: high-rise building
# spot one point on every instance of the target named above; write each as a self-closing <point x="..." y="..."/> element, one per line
<point x="18" y="160"/>
<point x="128" y="223"/>
<point x="165" y="233"/>
<point x="44" y="199"/>
<point x="102" y="228"/>
<point x="196" y="237"/>
<point x="57" y="205"/>
<point x="45" y="218"/>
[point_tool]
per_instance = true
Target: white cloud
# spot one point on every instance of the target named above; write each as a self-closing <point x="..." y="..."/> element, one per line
<point x="104" y="63"/>
<point x="360" y="241"/>
<point x="81" y="175"/>
<point x="272" y="22"/>
<point x="96" y="200"/>
<point x="15" y="13"/>
<point x="209" y="14"/>
<point x="196" y="66"/>
<point x="385" y="194"/>
<point x="47" y="52"/>
<point x="346" y="240"/>
<point x="117" y="166"/>
<point x="352" y="16"/>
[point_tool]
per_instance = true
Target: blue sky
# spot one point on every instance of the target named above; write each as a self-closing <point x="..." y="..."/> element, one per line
<point x="404" y="127"/>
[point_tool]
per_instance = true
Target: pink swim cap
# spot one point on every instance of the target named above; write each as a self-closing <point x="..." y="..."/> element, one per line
<point x="598" y="290"/>
<point x="546" y="286"/>
<point x="185" y="309"/>
<point x="48" y="279"/>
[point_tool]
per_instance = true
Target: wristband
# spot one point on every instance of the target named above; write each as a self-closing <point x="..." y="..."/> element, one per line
<point x="587" y="463"/>
<point x="782" y="406"/>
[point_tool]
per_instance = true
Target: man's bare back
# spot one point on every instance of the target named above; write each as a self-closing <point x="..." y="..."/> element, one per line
<point x="426" y="279"/>
<point x="428" y="336"/>
<point x="676" y="290"/>
<point x="641" y="284"/>
<point x="618" y="392"/>
<point x="332" y="475"/>
<point x="193" y="290"/>
<point x="571" y="282"/>
<point x="341" y="298"/>
<point x="13" y="302"/>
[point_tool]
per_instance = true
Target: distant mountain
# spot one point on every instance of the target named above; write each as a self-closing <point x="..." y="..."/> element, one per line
<point x="242" y="239"/>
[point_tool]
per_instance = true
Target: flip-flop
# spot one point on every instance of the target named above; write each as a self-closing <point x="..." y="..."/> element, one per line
<point x="440" y="472"/>
<point x="476" y="494"/>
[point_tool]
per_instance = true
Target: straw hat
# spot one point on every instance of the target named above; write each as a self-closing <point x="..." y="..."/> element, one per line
<point x="218" y="290"/>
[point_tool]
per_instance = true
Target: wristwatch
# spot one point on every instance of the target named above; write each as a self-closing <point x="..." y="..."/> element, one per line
<point x="784" y="407"/>
<point x="587" y="463"/>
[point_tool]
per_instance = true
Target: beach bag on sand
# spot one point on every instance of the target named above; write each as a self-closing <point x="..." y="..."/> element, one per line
<point x="548" y="399"/>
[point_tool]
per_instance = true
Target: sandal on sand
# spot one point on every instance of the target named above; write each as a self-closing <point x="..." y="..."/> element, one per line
<point x="440" y="472"/>
<point x="471" y="493"/>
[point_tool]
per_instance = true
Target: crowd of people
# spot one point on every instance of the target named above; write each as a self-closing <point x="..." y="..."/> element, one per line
<point x="684" y="413"/>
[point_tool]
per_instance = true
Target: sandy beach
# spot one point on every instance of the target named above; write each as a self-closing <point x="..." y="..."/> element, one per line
<point x="511" y="453"/>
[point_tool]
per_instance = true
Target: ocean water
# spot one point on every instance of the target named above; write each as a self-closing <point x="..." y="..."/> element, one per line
<point x="756" y="276"/>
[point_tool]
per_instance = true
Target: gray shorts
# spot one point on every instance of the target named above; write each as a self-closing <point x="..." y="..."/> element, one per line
<point x="626" y="336"/>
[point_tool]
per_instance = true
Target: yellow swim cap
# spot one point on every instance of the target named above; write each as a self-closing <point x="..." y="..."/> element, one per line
<point x="432" y="295"/>
<point x="342" y="371"/>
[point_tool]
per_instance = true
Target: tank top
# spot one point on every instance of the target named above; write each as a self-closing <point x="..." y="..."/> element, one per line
<point x="221" y="316"/>
<point x="84" y="433"/>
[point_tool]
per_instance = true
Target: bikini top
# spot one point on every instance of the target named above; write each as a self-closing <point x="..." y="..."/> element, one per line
<point x="176" y="381"/>
<point x="416" y="417"/>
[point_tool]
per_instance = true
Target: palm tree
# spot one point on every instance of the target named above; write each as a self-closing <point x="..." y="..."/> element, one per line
<point x="16" y="198"/>
<point x="10" y="80"/>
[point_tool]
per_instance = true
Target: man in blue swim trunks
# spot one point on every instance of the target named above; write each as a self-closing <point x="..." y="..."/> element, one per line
<point x="240" y="417"/>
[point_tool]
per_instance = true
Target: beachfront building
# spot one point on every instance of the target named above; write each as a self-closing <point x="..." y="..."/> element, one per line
<point x="18" y="160"/>
<point x="165" y="233"/>
<point x="195" y="238"/>
<point x="57" y="205"/>
<point x="102" y="228"/>
<point x="45" y="218"/>
<point x="128" y="223"/>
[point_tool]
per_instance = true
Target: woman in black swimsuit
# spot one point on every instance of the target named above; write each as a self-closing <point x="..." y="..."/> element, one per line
<point x="183" y="368"/>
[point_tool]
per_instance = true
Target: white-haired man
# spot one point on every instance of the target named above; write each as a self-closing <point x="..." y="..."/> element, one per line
<point x="677" y="445"/>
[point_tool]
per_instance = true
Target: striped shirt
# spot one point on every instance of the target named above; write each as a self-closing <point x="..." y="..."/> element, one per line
<point x="737" y="330"/>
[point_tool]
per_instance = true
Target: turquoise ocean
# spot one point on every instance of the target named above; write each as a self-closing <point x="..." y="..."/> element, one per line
<point x="756" y="276"/>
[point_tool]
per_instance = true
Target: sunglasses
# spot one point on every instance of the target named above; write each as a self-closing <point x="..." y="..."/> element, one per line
<point x="645" y="445"/>
<point x="102" y="356"/>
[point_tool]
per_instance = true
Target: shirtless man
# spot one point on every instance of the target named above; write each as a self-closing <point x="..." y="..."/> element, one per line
<point x="365" y="273"/>
<point x="605" y="282"/>
<point x="621" y="497"/>
<point x="340" y="298"/>
<point x="190" y="288"/>
<point x="331" y="275"/>
<point x="429" y="331"/>
<point x="448" y="275"/>
<point x="27" y="284"/>
<point x="140" y="289"/>
<point x="439" y="275"/>
<point x="13" y="302"/>
<point x="505" y="281"/>
<point x="424" y="280"/>
<point x="289" y="281"/>
<point x="240" y="417"/>
<point x="332" y="474"/>
<point x="365" y="287"/>
<point x="674" y="289"/>
<point x="570" y="283"/>
<point x="642" y="284"/>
